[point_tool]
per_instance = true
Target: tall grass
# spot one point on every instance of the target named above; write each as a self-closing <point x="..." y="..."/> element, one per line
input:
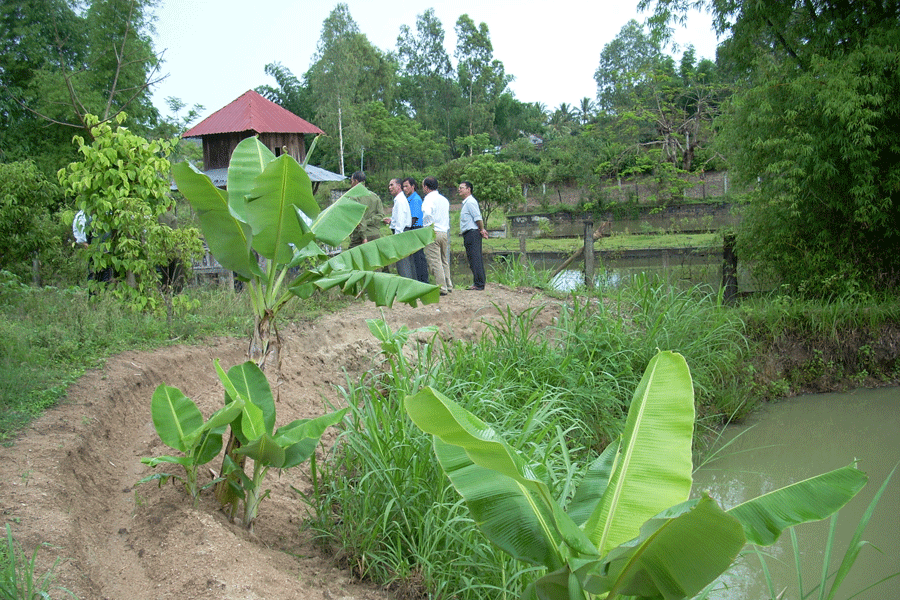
<point x="559" y="394"/>
<point x="384" y="504"/>
<point x="50" y="336"/>
<point x="20" y="579"/>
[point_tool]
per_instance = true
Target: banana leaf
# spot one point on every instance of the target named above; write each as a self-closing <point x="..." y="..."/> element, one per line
<point x="653" y="464"/>
<point x="228" y="238"/>
<point x="766" y="516"/>
<point x="590" y="490"/>
<point x="281" y="190"/>
<point x="175" y="417"/>
<point x="338" y="221"/>
<point x="248" y="161"/>
<point x="506" y="495"/>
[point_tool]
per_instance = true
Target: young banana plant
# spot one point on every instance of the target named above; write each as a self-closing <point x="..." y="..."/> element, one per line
<point x="630" y="529"/>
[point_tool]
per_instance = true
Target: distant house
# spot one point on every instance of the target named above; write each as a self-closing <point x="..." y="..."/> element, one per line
<point x="251" y="114"/>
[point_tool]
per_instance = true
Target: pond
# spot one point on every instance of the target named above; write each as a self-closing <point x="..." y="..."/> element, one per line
<point x="800" y="438"/>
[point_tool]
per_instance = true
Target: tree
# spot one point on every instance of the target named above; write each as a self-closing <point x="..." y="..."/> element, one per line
<point x="122" y="183"/>
<point x="290" y="94"/>
<point x="495" y="184"/>
<point x="813" y="127"/>
<point x="27" y="199"/>
<point x="396" y="142"/>
<point x="426" y="76"/>
<point x="348" y="71"/>
<point x="481" y="78"/>
<point x="62" y="61"/>
<point x="626" y="67"/>
<point x="586" y="110"/>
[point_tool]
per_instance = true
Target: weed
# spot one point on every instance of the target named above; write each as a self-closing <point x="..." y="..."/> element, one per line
<point x="18" y="576"/>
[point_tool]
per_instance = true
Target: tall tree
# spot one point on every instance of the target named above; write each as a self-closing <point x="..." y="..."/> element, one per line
<point x="481" y="77"/>
<point x="626" y="67"/>
<point x="427" y="86"/>
<point x="815" y="129"/>
<point x="62" y="60"/>
<point x="347" y="71"/>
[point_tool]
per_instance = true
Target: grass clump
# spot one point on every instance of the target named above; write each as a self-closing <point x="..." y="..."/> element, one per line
<point x="20" y="578"/>
<point x="558" y="393"/>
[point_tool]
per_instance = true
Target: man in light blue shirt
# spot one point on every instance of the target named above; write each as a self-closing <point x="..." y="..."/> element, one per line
<point x="471" y="226"/>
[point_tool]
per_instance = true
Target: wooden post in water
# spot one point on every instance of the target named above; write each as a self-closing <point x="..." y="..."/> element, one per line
<point x="589" y="254"/>
<point x="729" y="269"/>
<point x="523" y="255"/>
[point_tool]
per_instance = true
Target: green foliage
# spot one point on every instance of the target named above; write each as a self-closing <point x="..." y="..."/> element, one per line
<point x="813" y="125"/>
<point x="396" y="142"/>
<point x="823" y="150"/>
<point x="180" y="426"/>
<point x="629" y="529"/>
<point x="381" y="452"/>
<point x="827" y="585"/>
<point x="27" y="199"/>
<point x="122" y="183"/>
<point x="495" y="184"/>
<point x="60" y="61"/>
<point x="348" y="73"/>
<point x="254" y="426"/>
<point x="19" y="576"/>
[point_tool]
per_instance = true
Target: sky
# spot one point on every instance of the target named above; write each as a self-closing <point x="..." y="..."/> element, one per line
<point x="215" y="50"/>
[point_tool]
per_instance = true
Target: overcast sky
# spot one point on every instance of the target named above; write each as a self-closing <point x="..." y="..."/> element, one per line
<point x="215" y="50"/>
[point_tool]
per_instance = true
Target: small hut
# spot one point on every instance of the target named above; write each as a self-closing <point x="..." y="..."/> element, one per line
<point x="251" y="114"/>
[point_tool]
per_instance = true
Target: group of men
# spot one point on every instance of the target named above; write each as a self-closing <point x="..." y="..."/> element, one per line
<point x="412" y="211"/>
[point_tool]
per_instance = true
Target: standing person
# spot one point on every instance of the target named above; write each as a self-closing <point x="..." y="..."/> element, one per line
<point x="401" y="220"/>
<point x="415" y="209"/>
<point x="472" y="229"/>
<point x="369" y="227"/>
<point x="436" y="211"/>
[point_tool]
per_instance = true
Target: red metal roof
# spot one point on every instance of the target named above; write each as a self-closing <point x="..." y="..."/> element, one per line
<point x="254" y="113"/>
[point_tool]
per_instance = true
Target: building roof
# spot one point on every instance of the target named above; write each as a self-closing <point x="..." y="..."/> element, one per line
<point x="251" y="112"/>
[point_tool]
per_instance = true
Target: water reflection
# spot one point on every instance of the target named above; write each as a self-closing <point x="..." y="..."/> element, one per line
<point x="799" y="438"/>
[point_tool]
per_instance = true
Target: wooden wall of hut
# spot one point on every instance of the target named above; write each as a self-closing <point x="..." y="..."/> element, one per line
<point x="217" y="148"/>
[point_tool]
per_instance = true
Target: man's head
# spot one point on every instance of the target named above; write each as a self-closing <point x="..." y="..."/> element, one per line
<point x="430" y="184"/>
<point x="465" y="189"/>
<point x="409" y="186"/>
<point x="394" y="187"/>
<point x="358" y="177"/>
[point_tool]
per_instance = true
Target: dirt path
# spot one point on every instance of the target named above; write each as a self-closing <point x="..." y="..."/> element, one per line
<point x="69" y="481"/>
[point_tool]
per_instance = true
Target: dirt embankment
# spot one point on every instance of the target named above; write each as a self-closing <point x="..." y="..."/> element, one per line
<point x="69" y="481"/>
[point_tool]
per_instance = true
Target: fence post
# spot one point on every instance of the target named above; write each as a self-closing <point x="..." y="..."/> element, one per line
<point x="589" y="254"/>
<point x="523" y="255"/>
<point x="729" y="269"/>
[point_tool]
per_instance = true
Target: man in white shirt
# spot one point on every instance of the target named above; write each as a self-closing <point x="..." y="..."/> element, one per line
<point x="401" y="220"/>
<point x="436" y="211"/>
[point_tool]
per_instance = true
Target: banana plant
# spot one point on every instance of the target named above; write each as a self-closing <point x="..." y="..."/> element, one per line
<point x="267" y="224"/>
<point x="269" y="211"/>
<point x="631" y="528"/>
<point x="180" y="426"/>
<point x="254" y="425"/>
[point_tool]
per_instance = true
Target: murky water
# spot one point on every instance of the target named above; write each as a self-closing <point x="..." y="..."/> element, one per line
<point x="800" y="438"/>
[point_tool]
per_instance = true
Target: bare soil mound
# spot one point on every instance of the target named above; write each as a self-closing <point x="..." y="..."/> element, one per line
<point x="69" y="481"/>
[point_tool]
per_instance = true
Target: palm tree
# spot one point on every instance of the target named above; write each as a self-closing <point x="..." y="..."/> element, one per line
<point x="586" y="110"/>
